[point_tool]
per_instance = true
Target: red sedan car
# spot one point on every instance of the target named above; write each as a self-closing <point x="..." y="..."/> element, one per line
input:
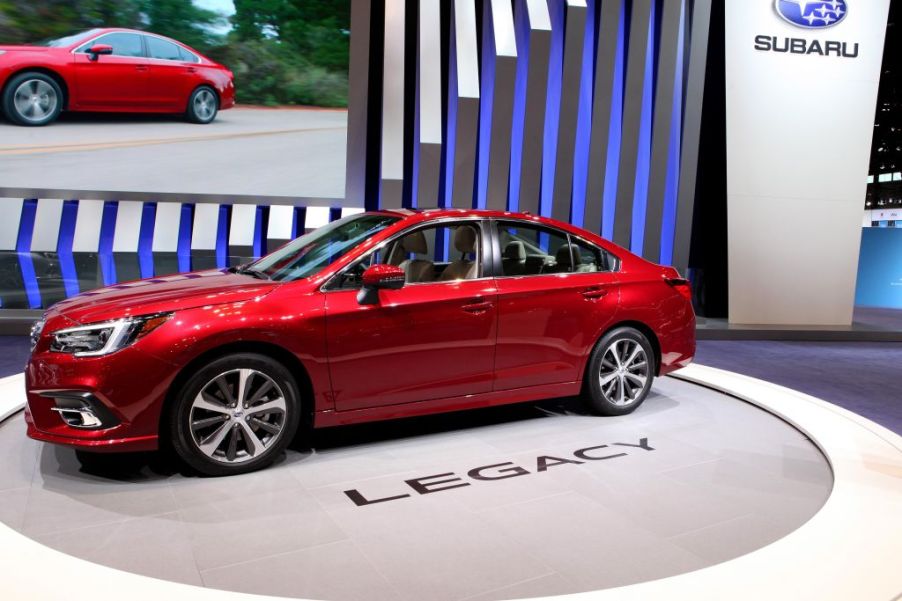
<point x="375" y="316"/>
<point x="111" y="70"/>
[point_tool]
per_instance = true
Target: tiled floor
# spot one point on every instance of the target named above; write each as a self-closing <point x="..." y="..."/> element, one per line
<point x="723" y="478"/>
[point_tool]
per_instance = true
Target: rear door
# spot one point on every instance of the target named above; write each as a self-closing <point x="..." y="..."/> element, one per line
<point x="118" y="81"/>
<point x="556" y="295"/>
<point x="174" y="73"/>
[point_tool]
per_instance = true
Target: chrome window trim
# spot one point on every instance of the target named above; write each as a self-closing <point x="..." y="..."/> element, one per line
<point x="198" y="60"/>
<point x="432" y="223"/>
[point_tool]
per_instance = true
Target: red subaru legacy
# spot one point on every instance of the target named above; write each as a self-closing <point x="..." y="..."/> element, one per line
<point x="111" y="70"/>
<point x="375" y="316"/>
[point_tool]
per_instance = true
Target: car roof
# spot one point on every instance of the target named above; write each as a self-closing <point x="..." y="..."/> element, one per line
<point x="414" y="216"/>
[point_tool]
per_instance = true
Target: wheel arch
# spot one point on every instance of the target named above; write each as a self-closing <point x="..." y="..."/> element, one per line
<point x="642" y="327"/>
<point x="268" y="349"/>
<point x="204" y="84"/>
<point x="57" y="77"/>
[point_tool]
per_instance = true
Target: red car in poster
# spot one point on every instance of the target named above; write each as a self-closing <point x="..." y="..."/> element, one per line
<point x="375" y="316"/>
<point x="111" y="70"/>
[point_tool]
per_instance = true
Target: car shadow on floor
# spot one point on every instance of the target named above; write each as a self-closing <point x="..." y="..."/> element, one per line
<point x="63" y="463"/>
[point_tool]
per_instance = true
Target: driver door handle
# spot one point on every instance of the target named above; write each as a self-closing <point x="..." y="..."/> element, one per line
<point x="141" y="68"/>
<point x="477" y="307"/>
<point x="594" y="293"/>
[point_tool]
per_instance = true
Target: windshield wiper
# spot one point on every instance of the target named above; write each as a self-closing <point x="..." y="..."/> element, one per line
<point x="248" y="270"/>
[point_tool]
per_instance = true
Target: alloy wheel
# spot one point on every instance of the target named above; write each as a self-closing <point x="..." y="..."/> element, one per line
<point x="204" y="105"/>
<point x="624" y="372"/>
<point x="237" y="416"/>
<point x="35" y="100"/>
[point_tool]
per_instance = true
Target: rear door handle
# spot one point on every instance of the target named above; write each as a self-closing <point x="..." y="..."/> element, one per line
<point x="191" y="70"/>
<point x="141" y="68"/>
<point x="594" y="293"/>
<point x="477" y="307"/>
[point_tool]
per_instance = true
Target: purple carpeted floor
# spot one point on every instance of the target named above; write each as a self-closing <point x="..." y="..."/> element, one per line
<point x="855" y="375"/>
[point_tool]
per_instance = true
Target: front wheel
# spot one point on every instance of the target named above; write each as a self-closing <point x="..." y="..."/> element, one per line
<point x="235" y="415"/>
<point x="32" y="99"/>
<point x="620" y="372"/>
<point x="203" y="106"/>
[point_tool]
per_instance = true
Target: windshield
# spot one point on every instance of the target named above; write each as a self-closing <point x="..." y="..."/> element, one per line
<point x="312" y="252"/>
<point x="66" y="40"/>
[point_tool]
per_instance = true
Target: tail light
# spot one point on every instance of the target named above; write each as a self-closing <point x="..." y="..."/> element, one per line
<point x="681" y="285"/>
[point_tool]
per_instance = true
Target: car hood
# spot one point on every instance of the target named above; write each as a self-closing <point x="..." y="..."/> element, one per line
<point x="162" y="294"/>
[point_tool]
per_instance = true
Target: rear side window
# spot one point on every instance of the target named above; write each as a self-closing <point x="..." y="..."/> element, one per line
<point x="528" y="249"/>
<point x="162" y="49"/>
<point x="124" y="44"/>
<point x="187" y="56"/>
<point x="589" y="258"/>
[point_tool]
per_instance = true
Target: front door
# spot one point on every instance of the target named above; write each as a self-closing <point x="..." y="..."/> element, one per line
<point x="116" y="81"/>
<point x="432" y="339"/>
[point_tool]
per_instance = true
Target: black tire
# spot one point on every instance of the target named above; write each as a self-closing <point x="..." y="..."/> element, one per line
<point x="186" y="440"/>
<point x="203" y="106"/>
<point x="622" y="393"/>
<point x="45" y="103"/>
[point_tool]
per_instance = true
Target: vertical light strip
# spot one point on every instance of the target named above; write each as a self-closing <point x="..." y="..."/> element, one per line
<point x="499" y="71"/>
<point x="584" y="120"/>
<point x="145" y="239"/>
<point x="261" y="223"/>
<point x="552" y="104"/>
<point x="107" y="236"/>
<point x="643" y="158"/>
<point x="223" y="226"/>
<point x="691" y="131"/>
<point x="23" y="249"/>
<point x="186" y="226"/>
<point x="463" y="107"/>
<point x="668" y="68"/>
<point x="672" y="183"/>
<point x="392" y="157"/>
<point x="571" y="80"/>
<point x="615" y="131"/>
<point x="64" y="247"/>
<point x="532" y="24"/>
<point x="427" y="164"/>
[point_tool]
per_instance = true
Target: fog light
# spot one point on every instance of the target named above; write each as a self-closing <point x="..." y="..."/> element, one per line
<point x="81" y="410"/>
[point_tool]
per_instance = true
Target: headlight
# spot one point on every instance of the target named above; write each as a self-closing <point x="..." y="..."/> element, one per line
<point x="2" y="52"/>
<point x="104" y="338"/>
<point x="35" y="334"/>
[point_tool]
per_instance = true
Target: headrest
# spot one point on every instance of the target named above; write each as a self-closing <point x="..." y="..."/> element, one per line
<point x="515" y="250"/>
<point x="563" y="258"/>
<point x="465" y="239"/>
<point x="415" y="243"/>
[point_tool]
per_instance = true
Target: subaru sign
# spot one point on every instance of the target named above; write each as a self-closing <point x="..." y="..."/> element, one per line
<point x="812" y="14"/>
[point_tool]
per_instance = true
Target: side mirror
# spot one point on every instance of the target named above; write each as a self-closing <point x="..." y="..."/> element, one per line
<point x="99" y="49"/>
<point x="379" y="277"/>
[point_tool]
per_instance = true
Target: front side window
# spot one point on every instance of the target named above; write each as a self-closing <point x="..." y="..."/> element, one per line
<point x="313" y="252"/>
<point x="528" y="249"/>
<point x="441" y="253"/>
<point x="124" y="44"/>
<point x="162" y="49"/>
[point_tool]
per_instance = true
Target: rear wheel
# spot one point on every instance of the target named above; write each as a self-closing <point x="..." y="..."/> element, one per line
<point x="203" y="106"/>
<point x="620" y="372"/>
<point x="32" y="99"/>
<point x="235" y="415"/>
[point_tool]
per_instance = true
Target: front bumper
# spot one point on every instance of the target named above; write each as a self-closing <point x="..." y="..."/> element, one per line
<point x="124" y="391"/>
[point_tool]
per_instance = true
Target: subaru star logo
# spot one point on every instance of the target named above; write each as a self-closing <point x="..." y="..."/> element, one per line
<point x="812" y="14"/>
